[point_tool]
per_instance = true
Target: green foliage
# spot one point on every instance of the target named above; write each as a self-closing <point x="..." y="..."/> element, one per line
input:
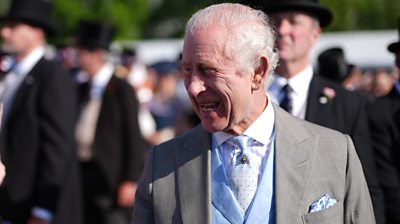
<point x="363" y="14"/>
<point x="126" y="15"/>
<point x="4" y="4"/>
<point x="142" y="19"/>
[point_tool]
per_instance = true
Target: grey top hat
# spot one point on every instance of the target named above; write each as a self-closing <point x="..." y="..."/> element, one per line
<point x="33" y="12"/>
<point x="395" y="47"/>
<point x="312" y="7"/>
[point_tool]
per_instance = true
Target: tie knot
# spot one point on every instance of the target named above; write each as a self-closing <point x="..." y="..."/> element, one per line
<point x="238" y="141"/>
<point x="287" y="88"/>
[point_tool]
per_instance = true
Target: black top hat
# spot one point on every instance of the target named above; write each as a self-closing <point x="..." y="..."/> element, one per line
<point x="312" y="7"/>
<point x="92" y="35"/>
<point x="395" y="47"/>
<point x="33" y="12"/>
<point x="333" y="65"/>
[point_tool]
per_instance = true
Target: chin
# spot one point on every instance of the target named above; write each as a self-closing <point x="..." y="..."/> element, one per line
<point x="212" y="127"/>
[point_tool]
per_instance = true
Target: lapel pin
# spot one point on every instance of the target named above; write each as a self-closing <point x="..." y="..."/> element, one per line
<point x="243" y="159"/>
<point x="29" y="80"/>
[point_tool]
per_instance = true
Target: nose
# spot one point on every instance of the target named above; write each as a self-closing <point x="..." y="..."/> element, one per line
<point x="195" y="85"/>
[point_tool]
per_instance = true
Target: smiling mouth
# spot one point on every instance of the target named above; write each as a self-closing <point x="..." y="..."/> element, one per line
<point x="209" y="107"/>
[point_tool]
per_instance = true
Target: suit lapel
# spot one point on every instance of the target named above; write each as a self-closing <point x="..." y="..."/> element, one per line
<point x="294" y="153"/>
<point x="317" y="112"/>
<point x="106" y="111"/>
<point x="19" y="98"/>
<point x="194" y="190"/>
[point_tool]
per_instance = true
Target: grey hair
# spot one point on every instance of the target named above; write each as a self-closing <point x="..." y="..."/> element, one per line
<point x="250" y="33"/>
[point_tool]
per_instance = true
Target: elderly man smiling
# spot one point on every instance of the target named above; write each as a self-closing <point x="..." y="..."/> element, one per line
<point x="249" y="161"/>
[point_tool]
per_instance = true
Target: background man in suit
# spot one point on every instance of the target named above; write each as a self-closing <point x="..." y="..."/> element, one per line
<point x="385" y="125"/>
<point x="249" y="161"/>
<point x="37" y="144"/>
<point x="309" y="96"/>
<point x="110" y="146"/>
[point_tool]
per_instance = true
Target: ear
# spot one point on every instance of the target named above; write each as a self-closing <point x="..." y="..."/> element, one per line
<point x="316" y="33"/>
<point x="260" y="73"/>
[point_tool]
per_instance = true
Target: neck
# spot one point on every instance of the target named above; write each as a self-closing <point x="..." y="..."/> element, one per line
<point x="259" y="107"/>
<point x="95" y="68"/>
<point x="289" y="69"/>
<point x="21" y="55"/>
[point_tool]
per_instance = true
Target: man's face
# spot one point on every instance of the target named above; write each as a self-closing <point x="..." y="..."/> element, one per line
<point x="90" y="60"/>
<point x="85" y="58"/>
<point x="17" y="37"/>
<point x="297" y="33"/>
<point x="219" y="93"/>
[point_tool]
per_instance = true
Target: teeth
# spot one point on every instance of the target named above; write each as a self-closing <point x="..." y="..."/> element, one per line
<point x="208" y="107"/>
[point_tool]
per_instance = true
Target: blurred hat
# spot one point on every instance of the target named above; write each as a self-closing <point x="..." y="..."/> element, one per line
<point x="333" y="65"/>
<point x="36" y="13"/>
<point x="312" y="7"/>
<point x="164" y="67"/>
<point x="92" y="35"/>
<point x="395" y="47"/>
<point x="128" y="52"/>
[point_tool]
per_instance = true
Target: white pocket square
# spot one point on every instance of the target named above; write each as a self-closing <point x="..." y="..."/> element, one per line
<point x="323" y="203"/>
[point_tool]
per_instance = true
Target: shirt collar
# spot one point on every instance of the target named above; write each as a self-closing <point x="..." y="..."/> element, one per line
<point x="27" y="63"/>
<point x="102" y="77"/>
<point x="299" y="82"/>
<point x="260" y="130"/>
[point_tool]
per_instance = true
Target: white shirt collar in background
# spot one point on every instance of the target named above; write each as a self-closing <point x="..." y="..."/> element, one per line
<point x="300" y="84"/>
<point x="26" y="64"/>
<point x="101" y="79"/>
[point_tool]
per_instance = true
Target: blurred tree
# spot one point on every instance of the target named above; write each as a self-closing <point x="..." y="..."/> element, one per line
<point x="168" y="17"/>
<point x="363" y="14"/>
<point x="4" y="4"/>
<point x="128" y="16"/>
<point x="140" y="19"/>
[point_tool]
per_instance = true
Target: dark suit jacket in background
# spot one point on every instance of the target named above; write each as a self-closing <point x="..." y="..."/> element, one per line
<point x="118" y="146"/>
<point x="37" y="148"/>
<point x="118" y="143"/>
<point x="346" y="112"/>
<point x="385" y="129"/>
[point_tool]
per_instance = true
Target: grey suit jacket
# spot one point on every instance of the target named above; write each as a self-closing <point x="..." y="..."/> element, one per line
<point x="310" y="161"/>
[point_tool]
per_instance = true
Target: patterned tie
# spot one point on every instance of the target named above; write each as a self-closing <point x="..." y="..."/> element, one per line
<point x="242" y="174"/>
<point x="286" y="102"/>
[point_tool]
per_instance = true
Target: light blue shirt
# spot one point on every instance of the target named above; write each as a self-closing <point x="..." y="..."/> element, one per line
<point x="262" y="131"/>
<point x="16" y="77"/>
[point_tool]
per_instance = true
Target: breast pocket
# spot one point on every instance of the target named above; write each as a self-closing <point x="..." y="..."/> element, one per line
<point x="332" y="214"/>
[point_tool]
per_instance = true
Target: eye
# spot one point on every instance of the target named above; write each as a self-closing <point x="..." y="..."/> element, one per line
<point x="207" y="70"/>
<point x="186" y="70"/>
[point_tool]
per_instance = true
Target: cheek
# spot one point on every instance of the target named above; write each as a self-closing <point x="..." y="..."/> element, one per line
<point x="22" y="39"/>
